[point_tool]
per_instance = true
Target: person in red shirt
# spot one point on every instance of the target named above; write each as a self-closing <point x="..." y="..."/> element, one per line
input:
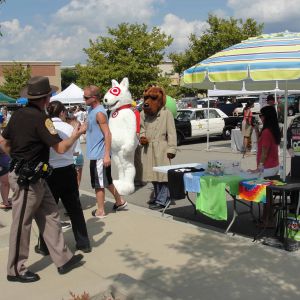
<point x="268" y="140"/>
<point x="267" y="154"/>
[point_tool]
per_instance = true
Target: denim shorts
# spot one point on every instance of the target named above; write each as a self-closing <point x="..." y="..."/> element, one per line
<point x="78" y="160"/>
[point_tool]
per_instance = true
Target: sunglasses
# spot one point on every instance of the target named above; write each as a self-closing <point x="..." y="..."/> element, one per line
<point x="153" y="97"/>
<point x="88" y="97"/>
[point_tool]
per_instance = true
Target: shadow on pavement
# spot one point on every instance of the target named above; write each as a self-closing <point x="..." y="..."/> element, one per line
<point x="218" y="268"/>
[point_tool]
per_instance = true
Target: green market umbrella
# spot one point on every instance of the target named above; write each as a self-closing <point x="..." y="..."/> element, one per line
<point x="6" y="99"/>
<point x="266" y="62"/>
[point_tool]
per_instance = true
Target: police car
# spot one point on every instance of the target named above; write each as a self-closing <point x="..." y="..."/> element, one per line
<point x="194" y="123"/>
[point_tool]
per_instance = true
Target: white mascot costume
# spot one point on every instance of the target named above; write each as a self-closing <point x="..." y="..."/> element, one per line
<point x="122" y="124"/>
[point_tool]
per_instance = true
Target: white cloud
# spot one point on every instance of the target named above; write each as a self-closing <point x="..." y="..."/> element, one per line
<point x="14" y="39"/>
<point x="69" y="29"/>
<point x="97" y="14"/>
<point x="220" y="13"/>
<point x="267" y="11"/>
<point x="13" y="31"/>
<point x="180" y="30"/>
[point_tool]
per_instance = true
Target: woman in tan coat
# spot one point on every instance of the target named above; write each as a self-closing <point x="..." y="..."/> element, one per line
<point x="159" y="142"/>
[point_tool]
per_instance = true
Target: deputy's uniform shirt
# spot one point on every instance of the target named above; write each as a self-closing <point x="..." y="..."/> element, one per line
<point x="31" y="134"/>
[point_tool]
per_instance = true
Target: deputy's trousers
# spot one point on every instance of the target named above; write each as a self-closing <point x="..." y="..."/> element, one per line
<point x="37" y="203"/>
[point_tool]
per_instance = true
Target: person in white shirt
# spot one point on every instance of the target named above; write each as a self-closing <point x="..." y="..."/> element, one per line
<point x="81" y="115"/>
<point x="77" y="155"/>
<point x="63" y="181"/>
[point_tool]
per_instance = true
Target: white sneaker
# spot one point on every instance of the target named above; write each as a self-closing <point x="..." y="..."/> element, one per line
<point x="65" y="225"/>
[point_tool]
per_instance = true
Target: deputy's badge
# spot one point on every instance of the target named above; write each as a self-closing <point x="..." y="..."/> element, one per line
<point x="49" y="125"/>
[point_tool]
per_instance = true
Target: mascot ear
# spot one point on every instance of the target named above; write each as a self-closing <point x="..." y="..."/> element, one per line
<point x="164" y="97"/>
<point x="125" y="82"/>
<point x="114" y="83"/>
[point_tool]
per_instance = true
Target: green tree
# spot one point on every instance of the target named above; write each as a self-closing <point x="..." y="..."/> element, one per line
<point x="130" y="51"/>
<point x="16" y="77"/>
<point x="221" y="33"/>
<point x="68" y="76"/>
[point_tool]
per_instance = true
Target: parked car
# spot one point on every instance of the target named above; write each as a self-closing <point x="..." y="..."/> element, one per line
<point x="242" y="101"/>
<point x="203" y="102"/>
<point x="293" y="106"/>
<point x="227" y="108"/>
<point x="187" y="102"/>
<point x="193" y="123"/>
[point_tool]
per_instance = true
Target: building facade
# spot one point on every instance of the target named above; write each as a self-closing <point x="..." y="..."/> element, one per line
<point x="167" y="70"/>
<point x="50" y="69"/>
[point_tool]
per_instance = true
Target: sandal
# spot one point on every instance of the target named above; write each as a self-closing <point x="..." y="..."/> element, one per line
<point x="120" y="207"/>
<point x="94" y="214"/>
<point x="5" y="206"/>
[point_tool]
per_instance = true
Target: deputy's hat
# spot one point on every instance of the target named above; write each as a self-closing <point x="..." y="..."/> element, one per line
<point x="37" y="87"/>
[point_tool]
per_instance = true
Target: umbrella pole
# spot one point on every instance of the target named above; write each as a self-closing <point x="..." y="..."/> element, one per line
<point x="285" y="132"/>
<point x="207" y="136"/>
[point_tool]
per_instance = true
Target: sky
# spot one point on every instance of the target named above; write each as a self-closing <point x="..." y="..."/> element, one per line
<point x="58" y="30"/>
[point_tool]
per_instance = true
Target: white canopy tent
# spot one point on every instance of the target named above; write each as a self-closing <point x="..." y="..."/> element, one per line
<point x="73" y="94"/>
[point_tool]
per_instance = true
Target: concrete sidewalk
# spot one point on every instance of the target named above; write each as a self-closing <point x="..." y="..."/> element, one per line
<point x="137" y="254"/>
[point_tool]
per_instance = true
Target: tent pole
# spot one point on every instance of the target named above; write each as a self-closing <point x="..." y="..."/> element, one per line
<point x="285" y="132"/>
<point x="207" y="136"/>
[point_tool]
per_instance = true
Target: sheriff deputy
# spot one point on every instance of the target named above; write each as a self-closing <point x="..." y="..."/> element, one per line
<point x="28" y="138"/>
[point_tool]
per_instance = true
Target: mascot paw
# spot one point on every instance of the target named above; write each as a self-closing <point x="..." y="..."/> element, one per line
<point x="124" y="187"/>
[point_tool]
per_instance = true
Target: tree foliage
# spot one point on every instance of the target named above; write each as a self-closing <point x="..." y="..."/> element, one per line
<point x="130" y="51"/>
<point x="68" y="76"/>
<point x="16" y="77"/>
<point x="221" y="33"/>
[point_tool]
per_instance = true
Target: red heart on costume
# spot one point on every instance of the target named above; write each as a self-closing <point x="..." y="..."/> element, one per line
<point x="115" y="91"/>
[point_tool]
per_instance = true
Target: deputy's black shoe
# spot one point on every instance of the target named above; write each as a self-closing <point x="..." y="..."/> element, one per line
<point x="28" y="276"/>
<point x="85" y="249"/>
<point x="43" y="252"/>
<point x="71" y="264"/>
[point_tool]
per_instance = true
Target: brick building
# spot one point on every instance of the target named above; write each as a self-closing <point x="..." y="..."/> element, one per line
<point x="51" y="69"/>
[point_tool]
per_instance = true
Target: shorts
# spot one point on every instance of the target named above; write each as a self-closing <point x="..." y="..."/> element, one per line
<point x="100" y="175"/>
<point x="246" y="129"/>
<point x="78" y="160"/>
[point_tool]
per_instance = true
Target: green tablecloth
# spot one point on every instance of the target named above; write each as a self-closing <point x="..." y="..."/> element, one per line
<point x="211" y="201"/>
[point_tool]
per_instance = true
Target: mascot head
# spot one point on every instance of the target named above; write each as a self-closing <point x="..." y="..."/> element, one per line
<point x="154" y="100"/>
<point x="118" y="95"/>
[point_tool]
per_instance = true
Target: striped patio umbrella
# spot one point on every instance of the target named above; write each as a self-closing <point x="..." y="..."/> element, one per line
<point x="266" y="62"/>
